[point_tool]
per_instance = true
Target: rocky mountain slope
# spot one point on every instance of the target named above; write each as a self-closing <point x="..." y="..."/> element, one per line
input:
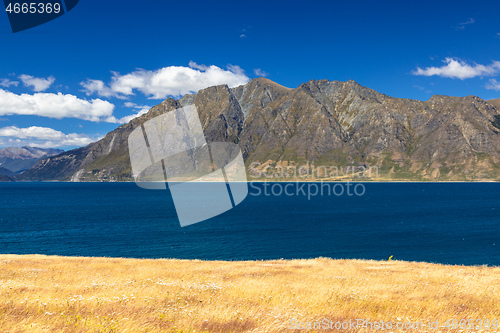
<point x="331" y="124"/>
<point x="17" y="159"/>
<point x="495" y="102"/>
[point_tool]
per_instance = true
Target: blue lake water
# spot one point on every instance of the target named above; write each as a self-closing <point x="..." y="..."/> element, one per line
<point x="453" y="223"/>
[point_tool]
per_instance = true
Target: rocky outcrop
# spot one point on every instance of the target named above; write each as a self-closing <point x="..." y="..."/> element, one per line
<point x="327" y="123"/>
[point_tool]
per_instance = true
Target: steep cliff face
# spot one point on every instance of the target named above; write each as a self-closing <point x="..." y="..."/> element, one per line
<point x="329" y="123"/>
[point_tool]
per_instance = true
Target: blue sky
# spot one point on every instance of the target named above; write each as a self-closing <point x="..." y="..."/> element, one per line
<point x="72" y="80"/>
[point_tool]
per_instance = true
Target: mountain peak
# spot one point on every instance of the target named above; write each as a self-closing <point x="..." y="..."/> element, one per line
<point x="266" y="82"/>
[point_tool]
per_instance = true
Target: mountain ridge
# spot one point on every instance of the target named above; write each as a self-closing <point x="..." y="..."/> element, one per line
<point x="6" y="172"/>
<point x="19" y="159"/>
<point x="331" y="123"/>
<point x="495" y="102"/>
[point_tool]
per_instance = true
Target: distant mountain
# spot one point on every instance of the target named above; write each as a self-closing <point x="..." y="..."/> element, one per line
<point x="330" y="123"/>
<point x="4" y="178"/>
<point x="6" y="172"/>
<point x="18" y="159"/>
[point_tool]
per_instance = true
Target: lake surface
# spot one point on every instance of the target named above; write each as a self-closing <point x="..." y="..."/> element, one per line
<point x="452" y="223"/>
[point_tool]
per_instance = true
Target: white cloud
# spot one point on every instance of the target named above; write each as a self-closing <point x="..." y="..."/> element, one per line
<point x="129" y="105"/>
<point x="141" y="109"/>
<point x="136" y="106"/>
<point x="493" y="85"/>
<point x="7" y="83"/>
<point x="37" y="83"/>
<point x="260" y="72"/>
<point x="54" y="106"/>
<point x="459" y="69"/>
<point x="462" y="25"/>
<point x="43" y="137"/>
<point x="194" y="65"/>
<point x="126" y="119"/>
<point x="167" y="81"/>
<point x="236" y="70"/>
<point x="97" y="86"/>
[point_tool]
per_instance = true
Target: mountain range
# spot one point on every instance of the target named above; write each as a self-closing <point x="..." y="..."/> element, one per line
<point x="333" y="124"/>
<point x="14" y="160"/>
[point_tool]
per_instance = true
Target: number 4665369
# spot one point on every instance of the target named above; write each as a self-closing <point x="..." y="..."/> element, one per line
<point x="33" y="8"/>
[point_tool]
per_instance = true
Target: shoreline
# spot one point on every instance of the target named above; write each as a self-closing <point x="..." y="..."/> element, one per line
<point x="50" y="256"/>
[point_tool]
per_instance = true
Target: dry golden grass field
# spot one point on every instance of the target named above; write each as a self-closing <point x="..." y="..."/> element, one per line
<point x="66" y="294"/>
